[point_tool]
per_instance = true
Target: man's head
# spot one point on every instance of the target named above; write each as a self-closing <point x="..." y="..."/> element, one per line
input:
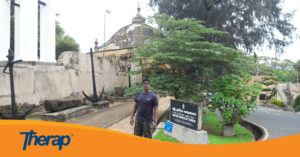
<point x="146" y="83"/>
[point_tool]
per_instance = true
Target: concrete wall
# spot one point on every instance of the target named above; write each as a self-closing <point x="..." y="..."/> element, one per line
<point x="294" y="89"/>
<point x="37" y="81"/>
<point x="268" y="93"/>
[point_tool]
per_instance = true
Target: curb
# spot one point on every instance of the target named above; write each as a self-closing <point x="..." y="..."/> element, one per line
<point x="265" y="133"/>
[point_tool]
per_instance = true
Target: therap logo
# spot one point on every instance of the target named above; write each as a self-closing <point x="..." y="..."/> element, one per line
<point x="43" y="140"/>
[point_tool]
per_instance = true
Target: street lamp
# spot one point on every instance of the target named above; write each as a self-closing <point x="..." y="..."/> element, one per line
<point x="129" y="67"/>
<point x="107" y="11"/>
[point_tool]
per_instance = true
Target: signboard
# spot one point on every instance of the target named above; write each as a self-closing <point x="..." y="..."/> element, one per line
<point x="168" y="126"/>
<point x="184" y="114"/>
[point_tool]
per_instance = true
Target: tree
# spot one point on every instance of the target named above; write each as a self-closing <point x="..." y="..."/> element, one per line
<point x="187" y="58"/>
<point x="64" y="42"/>
<point x="234" y="98"/>
<point x="251" y="24"/>
<point x="286" y="64"/>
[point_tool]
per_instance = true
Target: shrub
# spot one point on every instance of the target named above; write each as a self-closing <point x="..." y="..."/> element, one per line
<point x="277" y="102"/>
<point x="280" y="103"/>
<point x="266" y="89"/>
<point x="234" y="98"/>
<point x="296" y="105"/>
<point x="273" y="101"/>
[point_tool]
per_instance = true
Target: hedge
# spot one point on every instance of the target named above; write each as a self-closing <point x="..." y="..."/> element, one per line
<point x="277" y="102"/>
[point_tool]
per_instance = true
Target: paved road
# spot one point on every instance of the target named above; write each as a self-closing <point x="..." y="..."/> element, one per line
<point x="278" y="123"/>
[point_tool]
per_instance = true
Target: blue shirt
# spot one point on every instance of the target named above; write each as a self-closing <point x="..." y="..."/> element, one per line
<point x="146" y="103"/>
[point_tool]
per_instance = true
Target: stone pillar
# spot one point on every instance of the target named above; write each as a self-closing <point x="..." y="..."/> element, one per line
<point x="47" y="32"/>
<point x="4" y="29"/>
<point x="17" y="31"/>
<point x="28" y="30"/>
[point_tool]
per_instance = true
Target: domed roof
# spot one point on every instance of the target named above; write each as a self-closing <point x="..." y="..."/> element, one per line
<point x="129" y="36"/>
<point x="138" y="19"/>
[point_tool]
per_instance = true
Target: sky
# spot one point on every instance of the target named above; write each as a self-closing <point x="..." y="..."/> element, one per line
<point x="84" y="21"/>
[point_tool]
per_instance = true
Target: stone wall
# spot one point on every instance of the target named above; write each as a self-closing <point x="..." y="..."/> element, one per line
<point x="294" y="89"/>
<point x="37" y="81"/>
<point x="120" y="54"/>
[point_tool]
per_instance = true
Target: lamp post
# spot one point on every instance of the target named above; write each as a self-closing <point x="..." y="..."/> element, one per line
<point x="107" y="11"/>
<point x="129" y="67"/>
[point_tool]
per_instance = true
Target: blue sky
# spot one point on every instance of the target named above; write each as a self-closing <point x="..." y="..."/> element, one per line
<point x="84" y="21"/>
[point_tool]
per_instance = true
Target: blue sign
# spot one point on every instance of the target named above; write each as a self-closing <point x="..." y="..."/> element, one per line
<point x="168" y="126"/>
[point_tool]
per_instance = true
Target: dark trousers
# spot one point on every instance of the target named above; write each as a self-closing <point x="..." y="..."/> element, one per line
<point x="142" y="128"/>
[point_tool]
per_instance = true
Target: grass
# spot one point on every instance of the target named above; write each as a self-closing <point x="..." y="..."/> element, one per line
<point x="213" y="127"/>
<point x="164" y="137"/>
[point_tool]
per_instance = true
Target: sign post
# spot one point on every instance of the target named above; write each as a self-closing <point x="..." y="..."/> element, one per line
<point x="186" y="114"/>
<point x="185" y="123"/>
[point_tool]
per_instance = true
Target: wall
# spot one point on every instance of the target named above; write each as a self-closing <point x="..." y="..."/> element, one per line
<point x="120" y="54"/>
<point x="294" y="89"/>
<point x="37" y="81"/>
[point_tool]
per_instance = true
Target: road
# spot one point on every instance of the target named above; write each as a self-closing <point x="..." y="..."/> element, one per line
<point x="278" y="123"/>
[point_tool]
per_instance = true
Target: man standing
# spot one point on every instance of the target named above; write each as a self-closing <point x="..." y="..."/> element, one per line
<point x="145" y="102"/>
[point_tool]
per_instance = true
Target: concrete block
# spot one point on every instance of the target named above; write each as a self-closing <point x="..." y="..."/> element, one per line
<point x="221" y="119"/>
<point x="188" y="136"/>
<point x="98" y="105"/>
<point x="119" y="99"/>
<point x="217" y="112"/>
<point x="64" y="115"/>
<point x="61" y="104"/>
<point x="228" y="130"/>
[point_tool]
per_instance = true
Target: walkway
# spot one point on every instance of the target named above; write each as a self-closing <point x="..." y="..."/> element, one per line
<point x="116" y="117"/>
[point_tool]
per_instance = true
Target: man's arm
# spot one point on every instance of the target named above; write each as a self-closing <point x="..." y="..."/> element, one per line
<point x="155" y="116"/>
<point x="133" y="112"/>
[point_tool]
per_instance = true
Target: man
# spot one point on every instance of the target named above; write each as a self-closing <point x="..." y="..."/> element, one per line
<point x="145" y="102"/>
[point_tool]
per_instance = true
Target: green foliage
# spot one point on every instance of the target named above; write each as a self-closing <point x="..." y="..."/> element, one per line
<point x="64" y="42"/>
<point x="279" y="103"/>
<point x="296" y="105"/>
<point x="251" y="24"/>
<point x="234" y="98"/>
<point x="267" y="66"/>
<point x="178" y="47"/>
<point x="266" y="89"/>
<point x="285" y="75"/>
<point x="267" y="83"/>
<point x="214" y="131"/>
<point x="273" y="101"/>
